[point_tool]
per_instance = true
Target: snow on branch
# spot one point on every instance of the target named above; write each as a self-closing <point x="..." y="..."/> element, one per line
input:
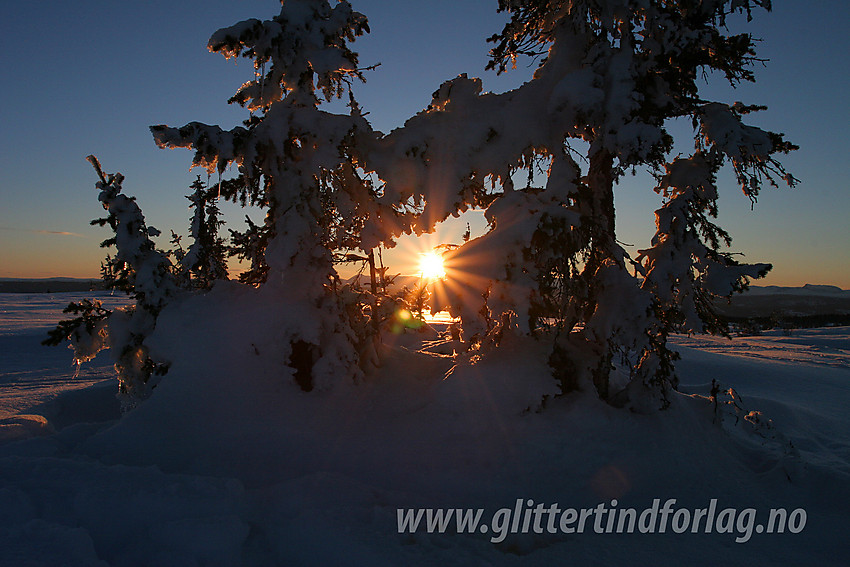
<point x="307" y="38"/>
<point x="685" y="267"/>
<point x="750" y="149"/>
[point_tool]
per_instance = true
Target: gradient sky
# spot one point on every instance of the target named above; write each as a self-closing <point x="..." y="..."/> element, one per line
<point x="91" y="76"/>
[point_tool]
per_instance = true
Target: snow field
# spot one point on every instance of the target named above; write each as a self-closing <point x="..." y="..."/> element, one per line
<point x="230" y="462"/>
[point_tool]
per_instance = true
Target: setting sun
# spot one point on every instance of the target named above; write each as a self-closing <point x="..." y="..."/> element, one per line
<point x="431" y="266"/>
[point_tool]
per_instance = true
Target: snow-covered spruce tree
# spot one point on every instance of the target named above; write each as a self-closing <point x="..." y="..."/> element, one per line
<point x="612" y="74"/>
<point x="301" y="163"/>
<point x="205" y="259"/>
<point x="137" y="268"/>
<point x="147" y="275"/>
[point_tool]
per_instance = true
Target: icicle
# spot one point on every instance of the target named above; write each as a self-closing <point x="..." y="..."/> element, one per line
<point x="256" y="79"/>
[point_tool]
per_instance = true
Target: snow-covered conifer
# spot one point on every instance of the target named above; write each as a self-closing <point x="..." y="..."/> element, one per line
<point x="205" y="259"/>
<point x="611" y="75"/>
<point x="147" y="274"/>
<point x="302" y="159"/>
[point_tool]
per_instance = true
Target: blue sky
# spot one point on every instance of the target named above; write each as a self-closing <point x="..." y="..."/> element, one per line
<point x="91" y="76"/>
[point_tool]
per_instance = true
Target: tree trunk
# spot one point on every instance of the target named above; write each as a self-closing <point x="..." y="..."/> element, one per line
<point x="599" y="211"/>
<point x="600" y="182"/>
<point x="376" y="324"/>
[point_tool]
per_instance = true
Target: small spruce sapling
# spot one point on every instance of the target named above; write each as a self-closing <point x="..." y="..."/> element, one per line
<point x="205" y="259"/>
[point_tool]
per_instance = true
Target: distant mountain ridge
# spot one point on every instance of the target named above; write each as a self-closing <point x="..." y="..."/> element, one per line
<point x="778" y="302"/>
<point x="808" y="289"/>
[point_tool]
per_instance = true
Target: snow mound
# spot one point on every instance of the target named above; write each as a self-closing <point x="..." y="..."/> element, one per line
<point x="24" y="427"/>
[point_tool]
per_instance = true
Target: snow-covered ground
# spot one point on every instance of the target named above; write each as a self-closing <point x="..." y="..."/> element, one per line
<point x="230" y="463"/>
<point x="33" y="376"/>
